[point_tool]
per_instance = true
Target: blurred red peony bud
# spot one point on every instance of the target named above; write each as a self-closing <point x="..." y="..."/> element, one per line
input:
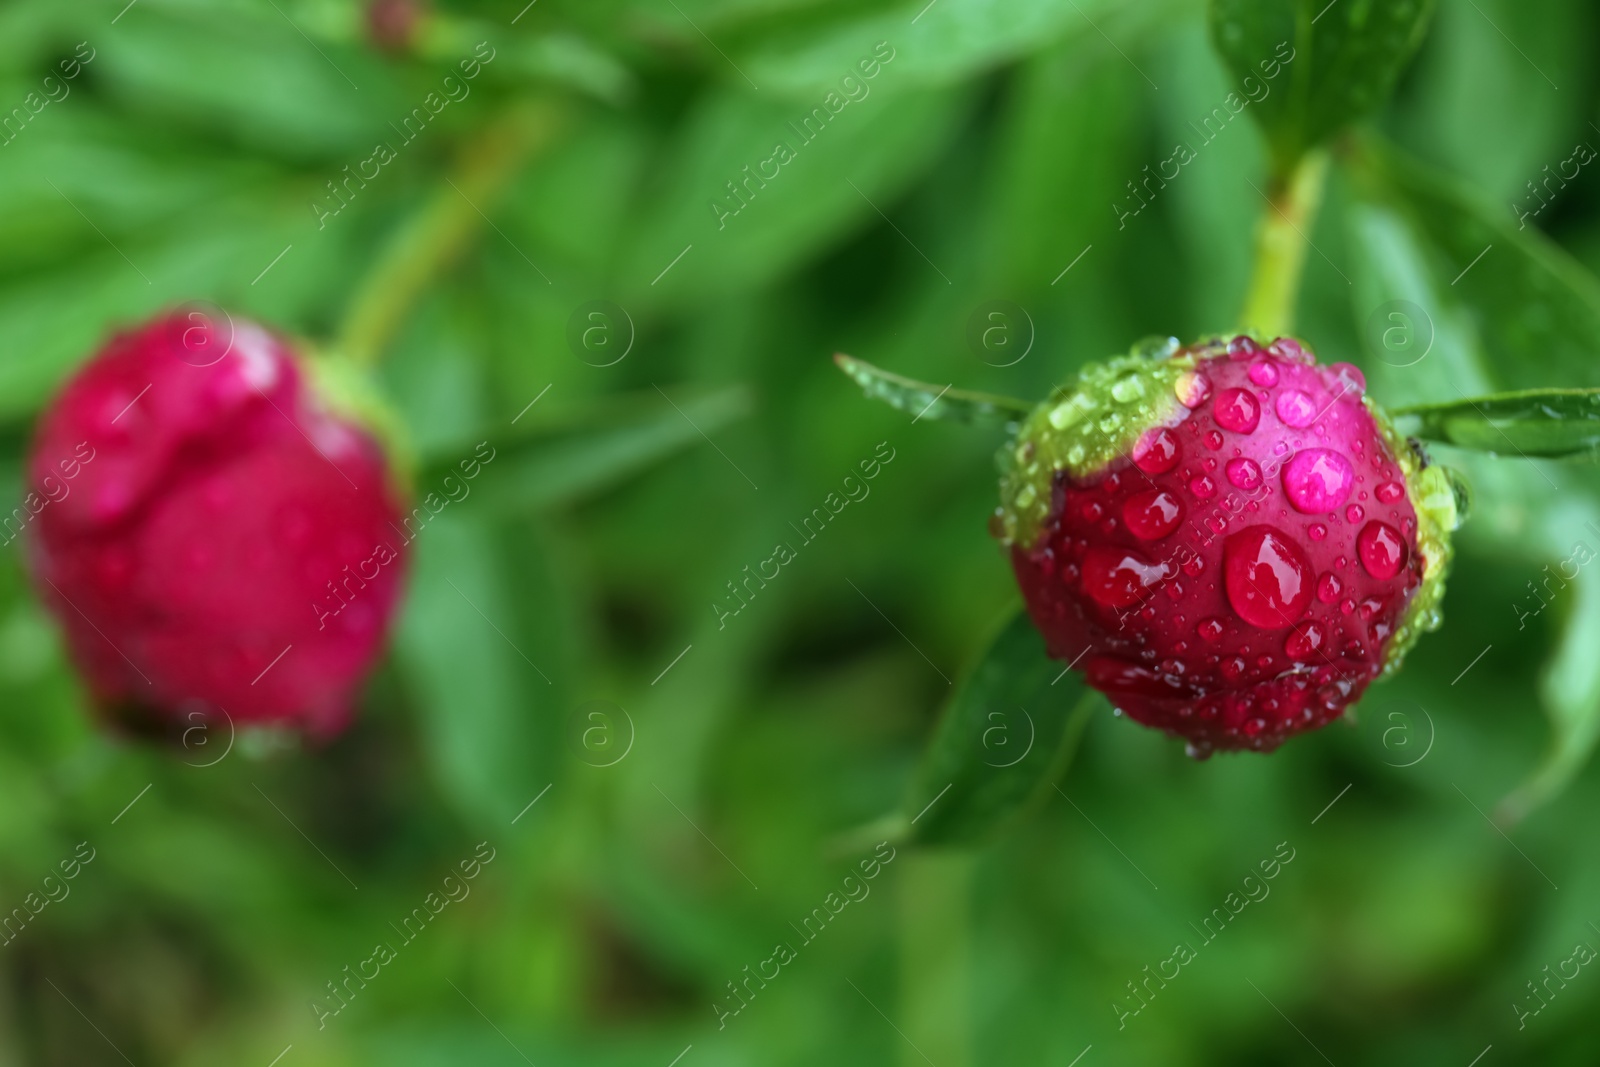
<point x="210" y="535"/>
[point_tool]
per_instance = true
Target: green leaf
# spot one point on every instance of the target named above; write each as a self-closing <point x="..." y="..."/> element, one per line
<point x="940" y="43"/>
<point x="1010" y="732"/>
<point x="928" y="401"/>
<point x="1341" y="60"/>
<point x="1535" y="308"/>
<point x="1534" y="422"/>
<point x="587" y="451"/>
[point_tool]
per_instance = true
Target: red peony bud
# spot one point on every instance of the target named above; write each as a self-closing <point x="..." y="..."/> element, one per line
<point x="211" y="536"/>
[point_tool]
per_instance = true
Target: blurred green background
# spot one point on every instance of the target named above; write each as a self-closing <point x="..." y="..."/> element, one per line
<point x="700" y="780"/>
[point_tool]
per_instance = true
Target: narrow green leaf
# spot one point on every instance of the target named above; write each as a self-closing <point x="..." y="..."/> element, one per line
<point x="1534" y="422"/>
<point x="928" y="401"/>
<point x="554" y="463"/>
<point x="1010" y="732"/>
<point x="1307" y="68"/>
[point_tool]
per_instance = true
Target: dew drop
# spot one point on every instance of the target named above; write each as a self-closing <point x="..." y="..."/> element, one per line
<point x="1264" y="372"/>
<point x="1288" y="348"/>
<point x="1213" y="440"/>
<point x="1119" y="578"/>
<point x="1317" y="531"/>
<point x="1329" y="587"/>
<point x="1244" y="473"/>
<point x="1233" y="669"/>
<point x="1305" y="640"/>
<point x="1157" y="451"/>
<point x="1351" y="381"/>
<point x="1152" y="514"/>
<point x="1389" y="492"/>
<point x="1267" y="579"/>
<point x="1092" y="511"/>
<point x="1237" y="410"/>
<point x="1193" y="566"/>
<point x="1296" y="409"/>
<point x="1346" y="606"/>
<point x="1243" y="347"/>
<point x="1127" y="389"/>
<point x="1382" y="549"/>
<point x="1191" y="389"/>
<point x="1210" y="629"/>
<point x="1317" y="480"/>
<point x="1354" y="513"/>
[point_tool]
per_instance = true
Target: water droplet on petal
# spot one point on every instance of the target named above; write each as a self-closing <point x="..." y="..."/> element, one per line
<point x="1119" y="578"/>
<point x="1354" y="513"/>
<point x="1191" y="389"/>
<point x="1317" y="531"/>
<point x="1389" y="492"/>
<point x="1210" y="629"/>
<point x="1305" y="640"/>
<point x="1203" y="487"/>
<point x="1244" y="473"/>
<point x="1296" y="408"/>
<point x="1329" y="587"/>
<point x="1290" y="349"/>
<point x="1213" y="440"/>
<point x="1237" y="410"/>
<point x="1264" y="372"/>
<point x="1317" y="480"/>
<point x="1152" y="514"/>
<point x="1266" y="577"/>
<point x="1382" y="549"/>
<point x="1157" y="451"/>
<point x="1351" y="381"/>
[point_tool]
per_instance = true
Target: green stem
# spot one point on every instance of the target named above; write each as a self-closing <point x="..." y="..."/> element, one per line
<point x="436" y="235"/>
<point x="1281" y="241"/>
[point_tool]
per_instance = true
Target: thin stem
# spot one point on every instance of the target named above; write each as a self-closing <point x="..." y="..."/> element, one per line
<point x="1281" y="240"/>
<point x="436" y="235"/>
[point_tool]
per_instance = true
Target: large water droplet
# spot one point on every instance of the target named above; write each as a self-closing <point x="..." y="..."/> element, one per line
<point x="1317" y="480"/>
<point x="1382" y="549"/>
<point x="1354" y="513"/>
<point x="1264" y="372"/>
<point x="1389" y="492"/>
<point x="1237" y="410"/>
<point x="1118" y="578"/>
<point x="1157" y="451"/>
<point x="1152" y="514"/>
<point x="1329" y="587"/>
<point x="1296" y="408"/>
<point x="1129" y="387"/>
<point x="1290" y="349"/>
<point x="1191" y="389"/>
<point x="1244" y="473"/>
<point x="1351" y="381"/>
<point x="1266" y="576"/>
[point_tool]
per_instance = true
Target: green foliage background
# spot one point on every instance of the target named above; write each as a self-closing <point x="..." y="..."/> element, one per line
<point x="988" y="155"/>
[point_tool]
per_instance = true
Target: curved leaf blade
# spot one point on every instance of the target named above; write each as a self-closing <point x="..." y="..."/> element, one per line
<point x="1342" y="60"/>
<point x="1009" y="733"/>
<point x="1550" y="423"/>
<point x="928" y="401"/>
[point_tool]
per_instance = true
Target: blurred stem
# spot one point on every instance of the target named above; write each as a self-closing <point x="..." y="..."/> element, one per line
<point x="432" y="239"/>
<point x="935" y="958"/>
<point x="1281" y="241"/>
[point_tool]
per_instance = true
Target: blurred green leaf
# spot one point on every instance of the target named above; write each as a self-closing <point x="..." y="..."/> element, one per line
<point x="1534" y="422"/>
<point x="1006" y="738"/>
<point x="1342" y="59"/>
<point x="1535" y="308"/>
<point x="928" y="401"/>
<point x="578" y="456"/>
